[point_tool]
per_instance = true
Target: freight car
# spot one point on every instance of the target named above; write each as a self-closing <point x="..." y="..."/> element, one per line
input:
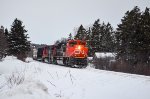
<point x="39" y="54"/>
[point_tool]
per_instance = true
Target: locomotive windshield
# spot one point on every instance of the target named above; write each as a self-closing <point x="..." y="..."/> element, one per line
<point x="81" y="43"/>
<point x="72" y="43"/>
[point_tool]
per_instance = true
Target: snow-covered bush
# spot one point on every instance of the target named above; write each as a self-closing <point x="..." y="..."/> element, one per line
<point x="103" y="60"/>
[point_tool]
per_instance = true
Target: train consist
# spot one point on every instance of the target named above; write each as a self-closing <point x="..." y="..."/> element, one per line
<point x="73" y="53"/>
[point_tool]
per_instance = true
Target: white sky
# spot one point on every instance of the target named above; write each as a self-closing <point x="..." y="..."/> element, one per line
<point x="50" y="20"/>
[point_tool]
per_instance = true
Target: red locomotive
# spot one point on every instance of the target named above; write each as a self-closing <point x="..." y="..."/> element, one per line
<point x="73" y="53"/>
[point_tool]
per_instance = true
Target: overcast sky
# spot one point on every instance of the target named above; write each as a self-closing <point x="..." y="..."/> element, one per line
<point x="50" y="20"/>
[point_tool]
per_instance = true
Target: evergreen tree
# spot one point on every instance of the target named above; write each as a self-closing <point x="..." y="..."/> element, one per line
<point x="81" y="33"/>
<point x="7" y="40"/>
<point x="6" y="33"/>
<point x="95" y="37"/>
<point x="3" y="41"/>
<point x="107" y="39"/>
<point x="145" y="29"/>
<point x="101" y="38"/>
<point x="88" y="42"/>
<point x="129" y="35"/>
<point x="18" y="44"/>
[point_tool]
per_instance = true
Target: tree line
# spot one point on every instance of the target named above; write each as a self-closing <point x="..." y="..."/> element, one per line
<point x="130" y="40"/>
<point x="100" y="37"/>
<point x="133" y="36"/>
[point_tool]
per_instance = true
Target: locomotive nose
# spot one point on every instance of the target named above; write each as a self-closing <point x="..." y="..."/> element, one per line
<point x="79" y="51"/>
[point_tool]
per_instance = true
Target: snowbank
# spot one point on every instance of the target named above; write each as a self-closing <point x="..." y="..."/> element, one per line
<point x="47" y="81"/>
<point x="11" y="64"/>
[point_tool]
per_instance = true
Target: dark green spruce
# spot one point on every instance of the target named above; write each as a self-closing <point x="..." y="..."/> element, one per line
<point x="18" y="40"/>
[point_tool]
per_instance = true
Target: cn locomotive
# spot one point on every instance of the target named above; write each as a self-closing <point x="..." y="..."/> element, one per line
<point x="73" y="53"/>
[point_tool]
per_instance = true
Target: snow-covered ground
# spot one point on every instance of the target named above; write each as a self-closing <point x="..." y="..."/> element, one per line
<point x="35" y="80"/>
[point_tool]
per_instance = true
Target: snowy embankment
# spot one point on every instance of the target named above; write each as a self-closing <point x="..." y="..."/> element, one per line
<point x="35" y="80"/>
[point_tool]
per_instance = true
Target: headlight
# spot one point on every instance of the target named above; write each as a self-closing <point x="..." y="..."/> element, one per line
<point x="79" y="47"/>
